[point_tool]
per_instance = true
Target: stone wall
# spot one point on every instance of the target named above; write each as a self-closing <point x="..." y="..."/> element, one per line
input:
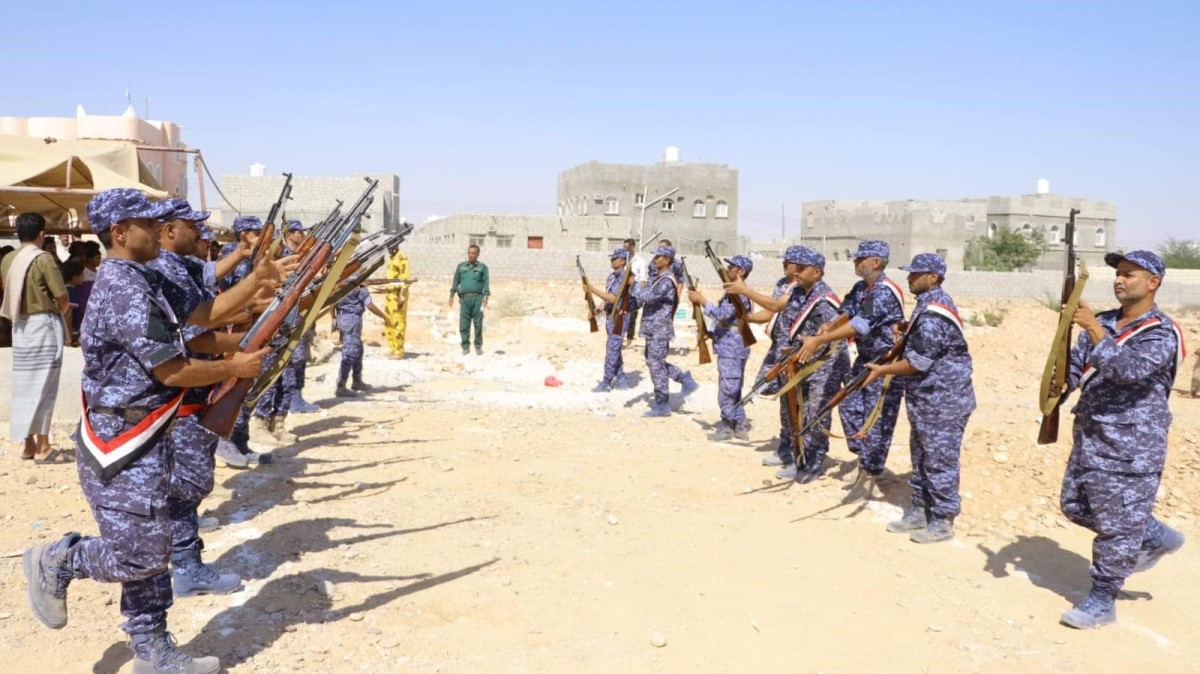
<point x="436" y="263"/>
<point x="313" y="197"/>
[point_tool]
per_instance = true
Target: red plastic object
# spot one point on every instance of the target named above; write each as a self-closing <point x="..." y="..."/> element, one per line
<point x="552" y="381"/>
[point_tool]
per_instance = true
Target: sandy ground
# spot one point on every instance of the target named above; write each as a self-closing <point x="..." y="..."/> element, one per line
<point x="466" y="518"/>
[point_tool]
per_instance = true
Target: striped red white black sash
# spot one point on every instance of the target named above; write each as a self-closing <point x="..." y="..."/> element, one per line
<point x="1132" y="331"/>
<point x="829" y="297"/>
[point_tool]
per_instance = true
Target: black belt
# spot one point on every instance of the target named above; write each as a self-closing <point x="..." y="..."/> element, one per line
<point x="130" y="414"/>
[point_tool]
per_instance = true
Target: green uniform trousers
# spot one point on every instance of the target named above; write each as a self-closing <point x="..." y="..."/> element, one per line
<point x="470" y="310"/>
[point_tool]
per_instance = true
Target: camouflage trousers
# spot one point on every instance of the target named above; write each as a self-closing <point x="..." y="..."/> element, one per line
<point x="731" y="372"/>
<point x="872" y="450"/>
<point x="134" y="545"/>
<point x="352" y="348"/>
<point x="660" y="370"/>
<point x="936" y="444"/>
<point x="614" y="362"/>
<point x="193" y="448"/>
<point x="1118" y="507"/>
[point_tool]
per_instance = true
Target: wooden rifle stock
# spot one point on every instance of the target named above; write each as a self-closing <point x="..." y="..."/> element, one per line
<point x="263" y="244"/>
<point x="226" y="401"/>
<point x="621" y="307"/>
<point x="702" y="335"/>
<point x="790" y="359"/>
<point x="587" y="296"/>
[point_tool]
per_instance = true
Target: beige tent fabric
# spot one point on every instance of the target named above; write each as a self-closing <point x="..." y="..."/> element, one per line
<point x="93" y="166"/>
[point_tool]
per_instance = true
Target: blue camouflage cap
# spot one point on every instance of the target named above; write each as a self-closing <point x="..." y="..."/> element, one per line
<point x="1142" y="258"/>
<point x="123" y="203"/>
<point x="925" y="263"/>
<point x="872" y="248"/>
<point x="741" y="262"/>
<point x="619" y="253"/>
<point x="803" y="255"/>
<point x="206" y="233"/>
<point x="296" y="226"/>
<point x="247" y="223"/>
<point x="182" y="210"/>
<point x="665" y="251"/>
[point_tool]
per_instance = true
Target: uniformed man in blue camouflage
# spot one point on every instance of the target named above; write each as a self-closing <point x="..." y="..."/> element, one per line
<point x="778" y="312"/>
<point x="659" y="297"/>
<point x="247" y="229"/>
<point x="136" y="372"/>
<point x="349" y="321"/>
<point x="874" y="306"/>
<point x="731" y="351"/>
<point x="294" y="376"/>
<point x="194" y="446"/>
<point x="939" y="398"/>
<point x="799" y="305"/>
<point x="1123" y="365"/>
<point x="614" y="365"/>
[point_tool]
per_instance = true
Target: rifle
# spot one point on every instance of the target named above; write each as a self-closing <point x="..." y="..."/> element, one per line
<point x="1059" y="360"/>
<point x="743" y="327"/>
<point x="857" y="382"/>
<point x="333" y="237"/>
<point x="621" y="305"/>
<point x="587" y="297"/>
<point x="267" y="241"/>
<point x="790" y="358"/>
<point x="698" y="313"/>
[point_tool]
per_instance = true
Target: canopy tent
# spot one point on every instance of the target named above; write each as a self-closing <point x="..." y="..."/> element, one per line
<point x="58" y="178"/>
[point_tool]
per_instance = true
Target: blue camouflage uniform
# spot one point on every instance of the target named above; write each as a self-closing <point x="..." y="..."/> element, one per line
<point x="277" y="400"/>
<point x="614" y="370"/>
<point x="873" y="310"/>
<point x="731" y="351"/>
<point x="350" y="321"/>
<point x="939" y="399"/>
<point x="129" y="331"/>
<point x="240" y="435"/>
<point x="820" y="306"/>
<point x="777" y="330"/>
<point x="1120" y="436"/>
<point x="659" y="298"/>
<point x="195" y="446"/>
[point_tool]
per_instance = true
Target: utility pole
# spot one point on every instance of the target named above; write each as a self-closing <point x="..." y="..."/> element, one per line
<point x="782" y="223"/>
<point x="647" y="204"/>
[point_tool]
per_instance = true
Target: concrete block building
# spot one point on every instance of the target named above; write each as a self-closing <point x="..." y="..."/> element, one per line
<point x="312" y="197"/>
<point x="688" y="201"/>
<point x="946" y="227"/>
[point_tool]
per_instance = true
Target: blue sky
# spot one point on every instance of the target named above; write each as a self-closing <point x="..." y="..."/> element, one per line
<point x="477" y="106"/>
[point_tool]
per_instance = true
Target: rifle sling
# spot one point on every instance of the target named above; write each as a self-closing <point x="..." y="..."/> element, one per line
<point x="805" y="372"/>
<point x="873" y="417"/>
<point x="1059" y="359"/>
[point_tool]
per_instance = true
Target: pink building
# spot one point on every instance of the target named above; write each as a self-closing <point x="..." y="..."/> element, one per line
<point x="169" y="169"/>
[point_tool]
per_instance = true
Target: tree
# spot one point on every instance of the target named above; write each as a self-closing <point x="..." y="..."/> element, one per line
<point x="1180" y="253"/>
<point x="1005" y="250"/>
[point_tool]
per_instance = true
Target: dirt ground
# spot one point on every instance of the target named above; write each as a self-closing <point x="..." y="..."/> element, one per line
<point x="465" y="517"/>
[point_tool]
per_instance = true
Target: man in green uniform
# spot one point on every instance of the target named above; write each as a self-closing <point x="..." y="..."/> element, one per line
<point x="471" y="286"/>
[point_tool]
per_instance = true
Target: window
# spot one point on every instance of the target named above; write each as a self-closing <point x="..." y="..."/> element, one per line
<point x="992" y="230"/>
<point x="722" y="210"/>
<point x="504" y="241"/>
<point x="812" y="221"/>
<point x="942" y="253"/>
<point x="698" y="209"/>
<point x="593" y="243"/>
<point x="534" y="242"/>
<point x="616" y="243"/>
<point x="583" y="206"/>
<point x="1054" y="238"/>
<point x="836" y="256"/>
<point x="639" y="200"/>
<point x="476" y="240"/>
<point x="970" y="224"/>
<point x="612" y="206"/>
<point x="1027" y="230"/>
<point x="1099" y="237"/>
<point x="668" y="206"/>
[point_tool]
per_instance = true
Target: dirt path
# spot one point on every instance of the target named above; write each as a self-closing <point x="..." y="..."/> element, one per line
<point x="466" y="518"/>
